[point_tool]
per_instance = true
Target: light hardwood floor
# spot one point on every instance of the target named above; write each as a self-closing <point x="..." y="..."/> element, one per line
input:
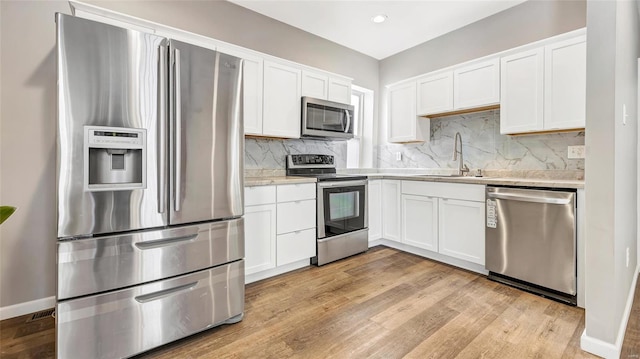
<point x="382" y="304"/>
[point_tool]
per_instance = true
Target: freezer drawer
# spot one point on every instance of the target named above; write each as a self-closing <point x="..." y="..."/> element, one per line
<point x="95" y="265"/>
<point x="129" y="321"/>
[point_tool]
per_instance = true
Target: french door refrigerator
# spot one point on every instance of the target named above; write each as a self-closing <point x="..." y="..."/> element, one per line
<point x="149" y="190"/>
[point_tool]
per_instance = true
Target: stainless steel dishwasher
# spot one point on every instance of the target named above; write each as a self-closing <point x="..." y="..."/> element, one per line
<point x="531" y="240"/>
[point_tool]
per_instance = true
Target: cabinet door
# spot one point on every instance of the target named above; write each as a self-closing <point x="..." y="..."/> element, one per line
<point x="435" y="93"/>
<point x="402" y="113"/>
<point x="260" y="238"/>
<point x="296" y="216"/>
<point x="461" y="229"/>
<point x="282" y="100"/>
<point x="375" y="210"/>
<point x="339" y="90"/>
<point x="252" y="89"/>
<point x="391" y="210"/>
<point x="296" y="246"/>
<point x="420" y="221"/>
<point x="315" y="85"/>
<point x="565" y="79"/>
<point x="477" y="85"/>
<point x="521" y="92"/>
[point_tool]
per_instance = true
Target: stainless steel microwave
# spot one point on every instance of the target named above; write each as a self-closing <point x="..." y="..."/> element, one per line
<point x="326" y="119"/>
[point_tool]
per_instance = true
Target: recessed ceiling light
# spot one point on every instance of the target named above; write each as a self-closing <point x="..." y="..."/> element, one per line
<point x="379" y="18"/>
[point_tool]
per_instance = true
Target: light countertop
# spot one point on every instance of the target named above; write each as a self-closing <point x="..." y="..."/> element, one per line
<point x="507" y="181"/>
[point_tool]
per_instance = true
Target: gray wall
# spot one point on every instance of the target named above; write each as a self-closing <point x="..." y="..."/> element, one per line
<point x="27" y="149"/>
<point x="28" y="112"/>
<point x="611" y="166"/>
<point x="516" y="26"/>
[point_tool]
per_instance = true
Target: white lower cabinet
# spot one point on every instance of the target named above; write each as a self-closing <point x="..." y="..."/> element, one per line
<point x="461" y="229"/>
<point x="420" y="222"/>
<point x="259" y="238"/>
<point x="443" y="221"/>
<point x="374" y="206"/>
<point x="295" y="216"/>
<point x="296" y="246"/>
<point x="280" y="229"/>
<point x="391" y="211"/>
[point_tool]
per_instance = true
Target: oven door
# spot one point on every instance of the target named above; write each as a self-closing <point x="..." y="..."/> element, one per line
<point x="342" y="207"/>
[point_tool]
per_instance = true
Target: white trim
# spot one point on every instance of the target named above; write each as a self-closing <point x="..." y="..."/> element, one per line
<point x="605" y="349"/>
<point x="474" y="267"/>
<point x="19" y="309"/>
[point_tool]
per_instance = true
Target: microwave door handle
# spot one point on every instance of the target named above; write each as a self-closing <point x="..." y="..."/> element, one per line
<point x="346" y="130"/>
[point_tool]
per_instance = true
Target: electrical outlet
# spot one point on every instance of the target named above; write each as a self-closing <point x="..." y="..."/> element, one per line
<point x="627" y="257"/>
<point x="398" y="156"/>
<point x="575" y="151"/>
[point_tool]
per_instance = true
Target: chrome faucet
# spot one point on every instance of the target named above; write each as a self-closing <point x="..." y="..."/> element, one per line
<point x="462" y="168"/>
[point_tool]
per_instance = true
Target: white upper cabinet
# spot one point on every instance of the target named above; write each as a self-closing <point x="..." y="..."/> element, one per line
<point x="521" y="91"/>
<point x="315" y="85"/>
<point x="477" y="85"/>
<point x="404" y="125"/>
<point x="325" y="87"/>
<point x="565" y="70"/>
<point x="435" y="93"/>
<point x="282" y="100"/>
<point x="252" y="89"/>
<point x="544" y="89"/>
<point x="339" y="90"/>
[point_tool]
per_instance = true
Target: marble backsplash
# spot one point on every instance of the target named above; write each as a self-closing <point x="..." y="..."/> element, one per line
<point x="484" y="147"/>
<point x="269" y="154"/>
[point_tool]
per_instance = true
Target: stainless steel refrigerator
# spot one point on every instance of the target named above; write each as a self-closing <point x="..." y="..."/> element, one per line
<point x="149" y="190"/>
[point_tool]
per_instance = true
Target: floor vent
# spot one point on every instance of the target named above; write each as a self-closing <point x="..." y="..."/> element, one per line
<point x="43" y="314"/>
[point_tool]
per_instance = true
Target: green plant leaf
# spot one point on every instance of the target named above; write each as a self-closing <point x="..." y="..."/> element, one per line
<point x="6" y="212"/>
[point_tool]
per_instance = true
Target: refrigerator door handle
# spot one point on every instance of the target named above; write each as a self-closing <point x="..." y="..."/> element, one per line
<point x="165" y="242"/>
<point x="178" y="126"/>
<point x="162" y="130"/>
<point x="164" y="293"/>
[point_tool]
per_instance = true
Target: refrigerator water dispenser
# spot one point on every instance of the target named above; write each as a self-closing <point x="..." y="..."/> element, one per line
<point x="114" y="158"/>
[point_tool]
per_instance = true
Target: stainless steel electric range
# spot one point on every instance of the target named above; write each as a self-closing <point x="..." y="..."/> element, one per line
<point x="342" y="223"/>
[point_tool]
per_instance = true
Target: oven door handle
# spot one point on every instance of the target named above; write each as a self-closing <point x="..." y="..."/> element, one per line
<point x="330" y="184"/>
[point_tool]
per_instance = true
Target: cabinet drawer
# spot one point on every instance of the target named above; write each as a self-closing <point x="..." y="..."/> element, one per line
<point x="296" y="192"/>
<point x="259" y="195"/>
<point x="296" y="246"/>
<point x="94" y="265"/>
<point x="296" y="216"/>
<point x="463" y="191"/>
<point x="126" y="322"/>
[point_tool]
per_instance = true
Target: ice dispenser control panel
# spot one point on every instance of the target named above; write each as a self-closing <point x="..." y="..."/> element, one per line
<point x="114" y="158"/>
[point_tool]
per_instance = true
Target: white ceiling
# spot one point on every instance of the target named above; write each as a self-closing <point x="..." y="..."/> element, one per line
<point x="348" y="22"/>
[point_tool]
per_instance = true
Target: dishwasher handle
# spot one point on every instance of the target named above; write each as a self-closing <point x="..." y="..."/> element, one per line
<point x="535" y="199"/>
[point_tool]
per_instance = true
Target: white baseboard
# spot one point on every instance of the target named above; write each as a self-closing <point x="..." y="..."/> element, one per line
<point x="605" y="349"/>
<point x="474" y="267"/>
<point x="19" y="309"/>
<point x="250" y="278"/>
